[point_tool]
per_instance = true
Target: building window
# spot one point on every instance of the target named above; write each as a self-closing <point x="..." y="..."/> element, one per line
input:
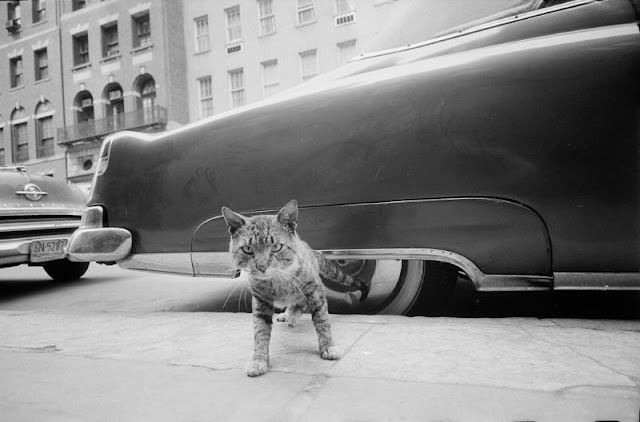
<point x="45" y="130"/>
<point x="83" y="104"/>
<point x="306" y="12"/>
<point x="344" y="6"/>
<point x="270" y="78"/>
<point x="110" y="43"/>
<point x="41" y="62"/>
<point x="147" y="99"/>
<point x="236" y="84"/>
<point x="267" y="18"/>
<point x="13" y="11"/>
<point x="19" y="140"/>
<point x="78" y="4"/>
<point x="15" y="72"/>
<point x="234" y="28"/>
<point x="206" y="96"/>
<point x="202" y="33"/>
<point x="2" y="156"/>
<point x="114" y="106"/>
<point x="80" y="49"/>
<point x="346" y="51"/>
<point x="38" y="10"/>
<point x="141" y="30"/>
<point x="308" y="64"/>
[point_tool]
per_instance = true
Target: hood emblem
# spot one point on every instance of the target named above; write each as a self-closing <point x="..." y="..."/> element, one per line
<point x="31" y="192"/>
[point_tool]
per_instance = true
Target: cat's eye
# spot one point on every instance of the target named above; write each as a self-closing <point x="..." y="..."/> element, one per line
<point x="247" y="250"/>
<point x="277" y="247"/>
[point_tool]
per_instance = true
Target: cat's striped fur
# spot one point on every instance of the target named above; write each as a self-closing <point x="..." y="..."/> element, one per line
<point x="283" y="271"/>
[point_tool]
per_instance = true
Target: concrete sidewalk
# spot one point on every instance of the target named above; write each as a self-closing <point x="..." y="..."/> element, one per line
<point x="187" y="366"/>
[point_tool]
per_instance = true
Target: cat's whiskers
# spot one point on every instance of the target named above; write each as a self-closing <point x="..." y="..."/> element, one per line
<point x="229" y="295"/>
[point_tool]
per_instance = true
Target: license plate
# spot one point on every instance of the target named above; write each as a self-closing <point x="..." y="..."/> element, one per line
<point x="48" y="250"/>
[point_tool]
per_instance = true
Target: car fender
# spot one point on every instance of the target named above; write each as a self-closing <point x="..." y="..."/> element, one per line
<point x="483" y="236"/>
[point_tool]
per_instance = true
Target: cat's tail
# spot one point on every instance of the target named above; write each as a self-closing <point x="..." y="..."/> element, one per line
<point x="336" y="279"/>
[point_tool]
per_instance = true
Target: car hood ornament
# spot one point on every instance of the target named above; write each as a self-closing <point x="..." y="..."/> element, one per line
<point x="32" y="192"/>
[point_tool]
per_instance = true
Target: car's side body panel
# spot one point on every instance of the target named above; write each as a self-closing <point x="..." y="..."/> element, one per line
<point x="479" y="229"/>
<point x="549" y="122"/>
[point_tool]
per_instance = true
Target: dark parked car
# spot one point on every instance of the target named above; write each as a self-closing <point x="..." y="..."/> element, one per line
<point x="37" y="216"/>
<point x="505" y="152"/>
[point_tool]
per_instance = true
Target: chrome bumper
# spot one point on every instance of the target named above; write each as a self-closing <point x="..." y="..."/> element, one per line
<point x="92" y="242"/>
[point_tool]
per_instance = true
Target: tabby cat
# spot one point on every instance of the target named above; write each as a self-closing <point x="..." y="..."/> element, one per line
<point x="283" y="272"/>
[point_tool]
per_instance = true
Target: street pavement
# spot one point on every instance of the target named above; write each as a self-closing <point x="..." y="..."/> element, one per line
<point x="79" y="361"/>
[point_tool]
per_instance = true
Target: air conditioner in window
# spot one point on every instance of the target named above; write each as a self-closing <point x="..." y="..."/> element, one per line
<point x="87" y="102"/>
<point x="345" y="19"/>
<point x="234" y="48"/>
<point x="115" y="95"/>
<point x="12" y="25"/>
<point x="113" y="52"/>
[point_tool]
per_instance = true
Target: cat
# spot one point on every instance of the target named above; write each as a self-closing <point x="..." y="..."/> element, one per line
<point x="283" y="271"/>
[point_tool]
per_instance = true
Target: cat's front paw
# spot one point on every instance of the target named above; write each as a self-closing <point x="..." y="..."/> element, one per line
<point x="256" y="368"/>
<point x="330" y="353"/>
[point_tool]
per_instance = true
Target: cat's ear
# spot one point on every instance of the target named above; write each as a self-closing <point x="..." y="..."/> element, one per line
<point x="288" y="215"/>
<point x="233" y="219"/>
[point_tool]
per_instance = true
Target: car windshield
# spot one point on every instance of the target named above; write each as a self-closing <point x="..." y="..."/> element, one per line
<point x="445" y="18"/>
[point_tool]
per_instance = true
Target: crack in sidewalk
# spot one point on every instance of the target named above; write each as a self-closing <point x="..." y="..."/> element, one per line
<point x="634" y="380"/>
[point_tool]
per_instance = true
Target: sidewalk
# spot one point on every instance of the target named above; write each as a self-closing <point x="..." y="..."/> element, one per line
<point x="188" y="366"/>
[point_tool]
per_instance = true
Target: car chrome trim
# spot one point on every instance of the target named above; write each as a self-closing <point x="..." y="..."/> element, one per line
<point x="92" y="242"/>
<point x="38" y="210"/>
<point x="220" y="264"/>
<point x="477" y="28"/>
<point x="17" y="251"/>
<point x="213" y="264"/>
<point x="596" y="281"/>
<point x="99" y="244"/>
<point x="22" y="227"/>
<point x="174" y="263"/>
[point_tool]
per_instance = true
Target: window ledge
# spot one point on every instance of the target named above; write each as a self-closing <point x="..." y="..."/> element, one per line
<point x="16" y="88"/>
<point x="141" y="49"/>
<point x="82" y="66"/>
<point x="267" y="34"/>
<point x="41" y="81"/>
<point x="42" y="22"/>
<point x="198" y="53"/>
<point x="299" y="25"/>
<point x="110" y="58"/>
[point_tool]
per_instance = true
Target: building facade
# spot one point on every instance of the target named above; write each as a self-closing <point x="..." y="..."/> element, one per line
<point x="31" y="95"/>
<point x="241" y="51"/>
<point x="78" y="70"/>
<point x="75" y="71"/>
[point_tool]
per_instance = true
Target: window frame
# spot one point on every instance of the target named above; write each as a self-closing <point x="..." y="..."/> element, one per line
<point x="80" y="40"/>
<point x="108" y="46"/>
<point x="270" y="17"/>
<point x="16" y="79"/>
<point x="303" y="54"/>
<point x="38" y="11"/>
<point x="205" y="101"/>
<point x="199" y="23"/>
<point x="141" y="39"/>
<point x="229" y="28"/>
<point x="237" y="91"/>
<point x="37" y="63"/>
<point x="305" y="7"/>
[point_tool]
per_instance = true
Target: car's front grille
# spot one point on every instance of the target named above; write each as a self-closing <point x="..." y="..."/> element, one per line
<point x="23" y="226"/>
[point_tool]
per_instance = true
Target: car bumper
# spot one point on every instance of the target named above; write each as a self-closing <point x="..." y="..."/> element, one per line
<point x="18" y="251"/>
<point x="92" y="242"/>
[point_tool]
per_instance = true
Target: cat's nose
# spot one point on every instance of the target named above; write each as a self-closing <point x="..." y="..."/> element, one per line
<point x="261" y="267"/>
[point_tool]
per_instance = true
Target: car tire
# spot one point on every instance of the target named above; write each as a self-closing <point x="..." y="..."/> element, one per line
<point x="65" y="270"/>
<point x="436" y="293"/>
